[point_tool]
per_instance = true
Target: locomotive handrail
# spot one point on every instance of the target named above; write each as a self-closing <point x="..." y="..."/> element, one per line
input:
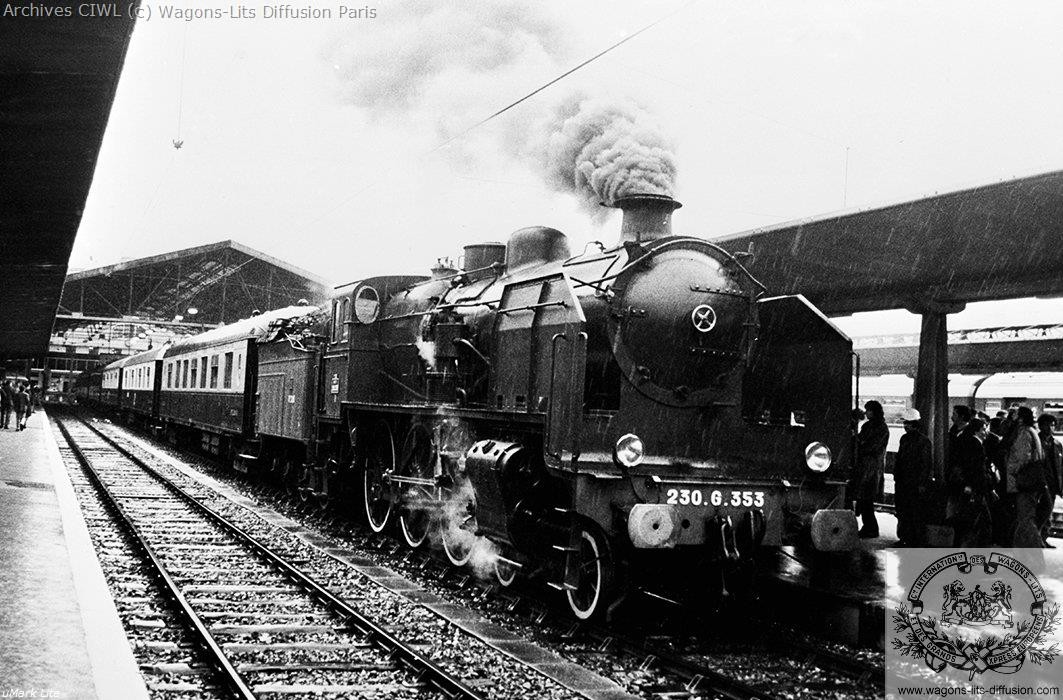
<point x="495" y="266"/>
<point x="553" y="373"/>
<point x="388" y="375"/>
<point x="434" y="309"/>
<point x="668" y="244"/>
<point x="601" y="249"/>
<point x="531" y="307"/>
<point x="465" y="342"/>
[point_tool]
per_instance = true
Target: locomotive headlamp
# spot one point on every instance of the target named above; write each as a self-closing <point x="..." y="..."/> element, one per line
<point x="629" y="450"/>
<point x="818" y="457"/>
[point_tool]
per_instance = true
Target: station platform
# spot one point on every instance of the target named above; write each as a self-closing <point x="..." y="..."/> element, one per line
<point x="839" y="595"/>
<point x="60" y="635"/>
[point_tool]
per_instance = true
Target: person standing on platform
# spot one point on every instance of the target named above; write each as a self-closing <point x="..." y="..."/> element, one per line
<point x="21" y="407"/>
<point x="7" y="403"/>
<point x="870" y="466"/>
<point x="912" y="478"/>
<point x="961" y="416"/>
<point x="1026" y="479"/>
<point x="1046" y="423"/>
<point x="1001" y="507"/>
<point x="969" y="493"/>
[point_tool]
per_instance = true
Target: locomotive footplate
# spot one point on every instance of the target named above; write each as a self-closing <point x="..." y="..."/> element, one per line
<point x="724" y="516"/>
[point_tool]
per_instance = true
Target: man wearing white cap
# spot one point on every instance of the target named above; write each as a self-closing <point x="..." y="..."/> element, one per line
<point x="912" y="479"/>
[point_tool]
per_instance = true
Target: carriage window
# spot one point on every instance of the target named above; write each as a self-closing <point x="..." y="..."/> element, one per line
<point x="366" y="305"/>
<point x="195" y="373"/>
<point x="184" y="374"/>
<point x="345" y="315"/>
<point x="213" y="371"/>
<point x="227" y="377"/>
<point x="169" y="375"/>
<point x="203" y="372"/>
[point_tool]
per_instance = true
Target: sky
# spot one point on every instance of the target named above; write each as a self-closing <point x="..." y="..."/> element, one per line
<point x="343" y="146"/>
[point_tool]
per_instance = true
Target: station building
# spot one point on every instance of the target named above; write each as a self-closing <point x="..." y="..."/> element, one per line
<point x="136" y="305"/>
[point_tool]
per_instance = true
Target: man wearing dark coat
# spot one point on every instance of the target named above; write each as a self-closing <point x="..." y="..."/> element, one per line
<point x="1000" y="506"/>
<point x="22" y="408"/>
<point x="1053" y="468"/>
<point x="969" y="488"/>
<point x="912" y="477"/>
<point x="7" y="403"/>
<point x="870" y="465"/>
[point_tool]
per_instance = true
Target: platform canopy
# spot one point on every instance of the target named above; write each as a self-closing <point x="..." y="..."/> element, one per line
<point x="998" y="241"/>
<point x="210" y="284"/>
<point x="58" y="77"/>
<point x="973" y="351"/>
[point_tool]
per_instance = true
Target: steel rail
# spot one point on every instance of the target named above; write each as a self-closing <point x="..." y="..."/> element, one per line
<point x="697" y="673"/>
<point x="425" y="669"/>
<point x="698" y="677"/>
<point x="833" y="661"/>
<point x="227" y="671"/>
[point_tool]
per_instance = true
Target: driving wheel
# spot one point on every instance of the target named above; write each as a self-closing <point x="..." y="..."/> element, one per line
<point x="416" y="483"/>
<point x="594" y="570"/>
<point x="377" y="494"/>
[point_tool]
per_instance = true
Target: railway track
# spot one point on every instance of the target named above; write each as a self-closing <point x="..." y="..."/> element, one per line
<point x="264" y="626"/>
<point x="738" y="673"/>
<point x="670" y="667"/>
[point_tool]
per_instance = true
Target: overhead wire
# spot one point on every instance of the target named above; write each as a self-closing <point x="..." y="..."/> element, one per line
<point x="559" y="78"/>
<point x="509" y="106"/>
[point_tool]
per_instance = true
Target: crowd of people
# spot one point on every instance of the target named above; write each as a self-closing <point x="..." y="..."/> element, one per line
<point x="15" y="398"/>
<point x="1001" y="478"/>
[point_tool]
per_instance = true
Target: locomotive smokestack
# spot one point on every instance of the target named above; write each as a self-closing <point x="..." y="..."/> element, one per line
<point x="647" y="217"/>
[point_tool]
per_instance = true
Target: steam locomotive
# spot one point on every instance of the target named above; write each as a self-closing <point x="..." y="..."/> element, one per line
<point x="586" y="419"/>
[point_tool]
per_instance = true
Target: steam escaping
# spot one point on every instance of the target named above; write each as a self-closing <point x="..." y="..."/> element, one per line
<point x="454" y="521"/>
<point x="601" y="150"/>
<point x="452" y="511"/>
<point x="427" y="350"/>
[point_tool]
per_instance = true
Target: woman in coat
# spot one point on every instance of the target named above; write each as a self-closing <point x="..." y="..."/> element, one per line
<point x="1026" y="479"/>
<point x="870" y="466"/>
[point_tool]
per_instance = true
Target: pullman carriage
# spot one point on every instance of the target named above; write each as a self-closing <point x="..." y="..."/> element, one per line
<point x="140" y="385"/>
<point x="208" y="383"/>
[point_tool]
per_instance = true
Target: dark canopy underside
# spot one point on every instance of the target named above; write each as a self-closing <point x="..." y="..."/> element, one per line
<point x="57" y="81"/>
<point x="994" y="242"/>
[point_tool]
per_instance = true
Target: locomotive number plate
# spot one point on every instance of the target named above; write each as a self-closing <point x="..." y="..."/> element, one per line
<point x="715" y="498"/>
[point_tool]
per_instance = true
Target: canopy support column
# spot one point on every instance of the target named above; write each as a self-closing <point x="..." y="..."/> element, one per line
<point x="932" y="375"/>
